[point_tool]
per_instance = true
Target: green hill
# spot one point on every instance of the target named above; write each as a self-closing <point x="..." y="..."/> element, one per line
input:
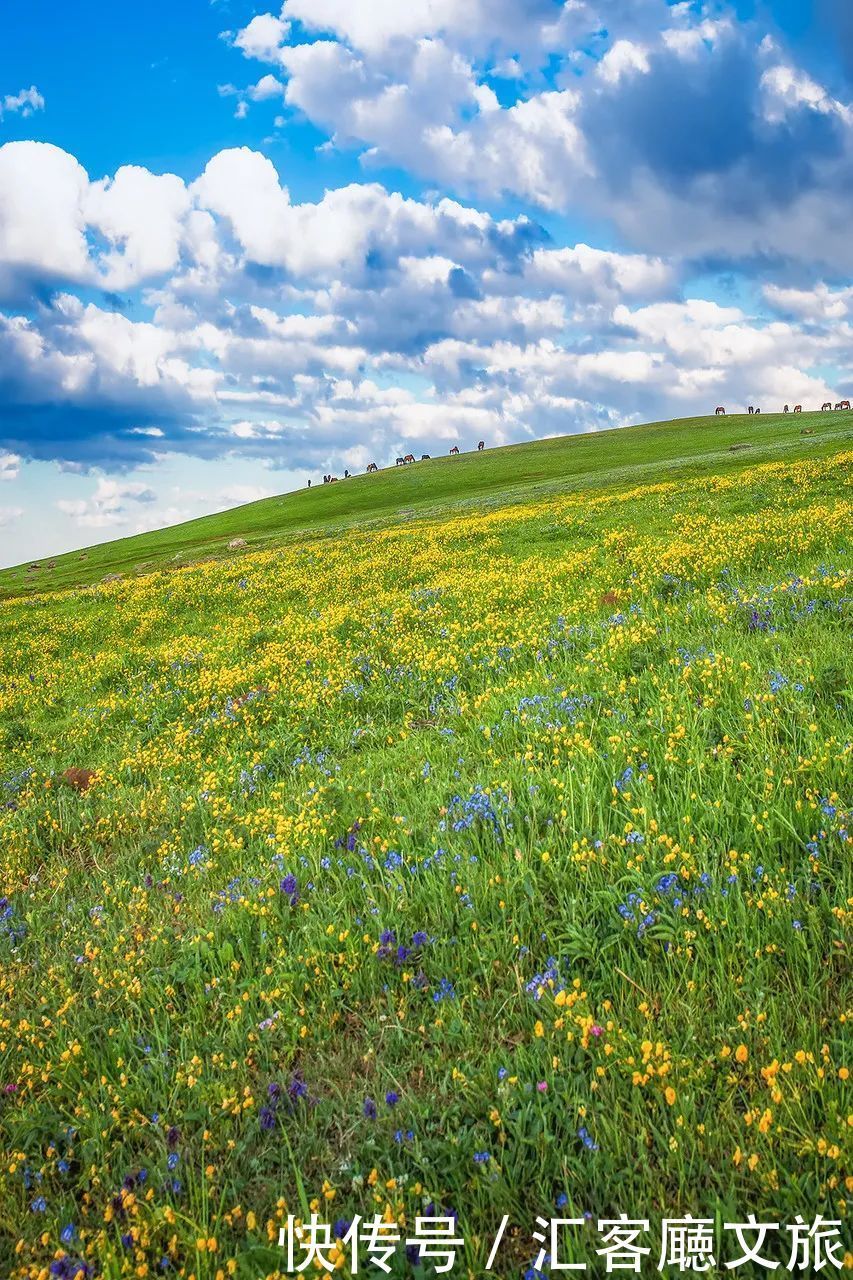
<point x="600" y="460"/>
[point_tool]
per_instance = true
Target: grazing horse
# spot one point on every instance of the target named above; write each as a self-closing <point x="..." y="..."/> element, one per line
<point x="824" y="407"/>
<point x="750" y="409"/>
<point x="786" y="409"/>
<point x="401" y="462"/>
<point x="758" y="411"/>
<point x="371" y="466"/>
<point x="424" y="457"/>
<point x="798" y="408"/>
<point x="333" y="479"/>
<point x="481" y="445"/>
<point x="410" y="457"/>
<point x="843" y="404"/>
<point x="719" y="411"/>
<point x="455" y="449"/>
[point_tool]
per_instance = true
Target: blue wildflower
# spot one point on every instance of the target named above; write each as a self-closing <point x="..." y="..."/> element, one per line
<point x="444" y="991"/>
<point x="586" y="1139"/>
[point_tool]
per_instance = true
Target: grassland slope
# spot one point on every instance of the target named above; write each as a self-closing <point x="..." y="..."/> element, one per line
<point x="495" y="862"/>
<point x="515" y="473"/>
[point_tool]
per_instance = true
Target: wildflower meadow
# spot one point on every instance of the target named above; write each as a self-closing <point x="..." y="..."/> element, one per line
<point x="489" y="864"/>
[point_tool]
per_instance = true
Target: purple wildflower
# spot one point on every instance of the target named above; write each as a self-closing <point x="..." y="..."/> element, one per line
<point x="290" y="888"/>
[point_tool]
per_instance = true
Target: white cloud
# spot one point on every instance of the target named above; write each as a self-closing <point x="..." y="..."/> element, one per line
<point x="429" y="112"/>
<point x="689" y="40"/>
<point x="334" y="236"/>
<point x="142" y="215"/>
<point x="787" y="90"/>
<point x="243" y="186"/>
<point x="586" y="272"/>
<point x="110" y="504"/>
<point x="267" y="87"/>
<point x="816" y="304"/>
<point x="9" y="466"/>
<point x="51" y="215"/>
<point x="622" y="59"/>
<point x="42" y="225"/>
<point x="262" y="37"/>
<point x="374" y="25"/>
<point x="26" y="101"/>
<point x="586" y="125"/>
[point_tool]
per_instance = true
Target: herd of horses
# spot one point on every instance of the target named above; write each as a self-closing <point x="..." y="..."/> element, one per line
<point x="401" y="462"/>
<point x="410" y="457"/>
<point x="720" y="412"/>
<point x="798" y="408"/>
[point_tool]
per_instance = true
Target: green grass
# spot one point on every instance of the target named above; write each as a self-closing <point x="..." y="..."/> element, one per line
<point x="578" y="741"/>
<point x="566" y="464"/>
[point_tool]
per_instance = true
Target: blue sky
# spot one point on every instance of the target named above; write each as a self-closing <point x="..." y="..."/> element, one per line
<point x="241" y="247"/>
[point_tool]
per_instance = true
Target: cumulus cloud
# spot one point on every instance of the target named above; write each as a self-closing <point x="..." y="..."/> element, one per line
<point x="350" y="228"/>
<point x="262" y="37"/>
<point x="141" y="215"/>
<point x="50" y="214"/>
<point x="42" y="226"/>
<point x="687" y="128"/>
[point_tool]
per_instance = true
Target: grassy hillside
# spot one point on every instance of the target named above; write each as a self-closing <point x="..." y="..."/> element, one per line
<point x="493" y="863"/>
<point x="691" y="446"/>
